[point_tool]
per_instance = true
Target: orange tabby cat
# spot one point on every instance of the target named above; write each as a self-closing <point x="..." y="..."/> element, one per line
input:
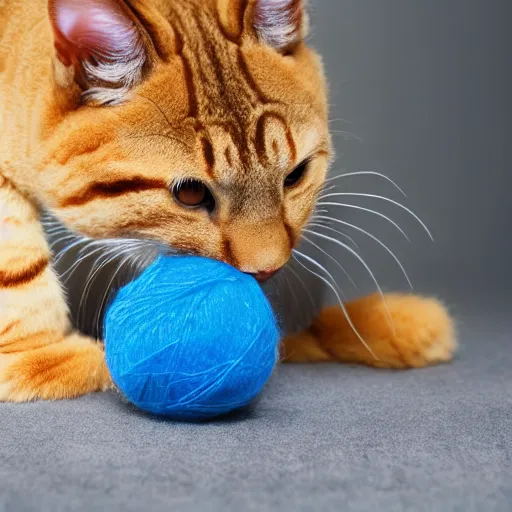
<point x="201" y="124"/>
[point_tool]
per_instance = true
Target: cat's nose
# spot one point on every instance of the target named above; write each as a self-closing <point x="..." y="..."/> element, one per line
<point x="265" y="275"/>
<point x="257" y="248"/>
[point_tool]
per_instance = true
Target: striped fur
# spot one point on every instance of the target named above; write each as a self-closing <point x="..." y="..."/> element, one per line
<point x="40" y="355"/>
<point x="100" y="125"/>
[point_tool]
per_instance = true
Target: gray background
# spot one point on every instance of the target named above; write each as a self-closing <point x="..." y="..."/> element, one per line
<point x="426" y="85"/>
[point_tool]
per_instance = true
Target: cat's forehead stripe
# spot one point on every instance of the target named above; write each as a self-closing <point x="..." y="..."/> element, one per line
<point x="213" y="64"/>
<point x="223" y="92"/>
<point x="209" y="156"/>
<point x="265" y="124"/>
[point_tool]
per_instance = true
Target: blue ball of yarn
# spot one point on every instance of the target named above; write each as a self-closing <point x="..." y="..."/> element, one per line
<point x="190" y="339"/>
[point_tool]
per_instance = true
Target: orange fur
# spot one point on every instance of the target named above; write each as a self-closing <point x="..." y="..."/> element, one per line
<point x="403" y="331"/>
<point x="40" y="357"/>
<point x="224" y="92"/>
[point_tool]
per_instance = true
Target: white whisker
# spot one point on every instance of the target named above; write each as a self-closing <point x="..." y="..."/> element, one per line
<point x="56" y="229"/>
<point x="303" y="284"/>
<point x="327" y="188"/>
<point x="340" y="120"/>
<point x="382" y="198"/>
<point x="320" y="225"/>
<point x="292" y="291"/>
<point x="368" y="210"/>
<point x="79" y="261"/>
<point x="382" y="244"/>
<point x="335" y="261"/>
<point x="126" y="252"/>
<point x="347" y="135"/>
<point x="91" y="278"/>
<point x="367" y="173"/>
<point x="65" y="236"/>
<point x="116" y="241"/>
<point x="68" y="248"/>
<point x="333" y="288"/>
<point x="363" y="262"/>
<point x="107" y="292"/>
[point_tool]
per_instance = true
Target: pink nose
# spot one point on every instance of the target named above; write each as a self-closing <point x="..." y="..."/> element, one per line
<point x="265" y="275"/>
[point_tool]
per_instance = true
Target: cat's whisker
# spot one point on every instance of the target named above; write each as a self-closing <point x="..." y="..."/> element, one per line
<point x="382" y="198"/>
<point x="79" y="261"/>
<point x="296" y="303"/>
<point x="332" y="258"/>
<point x="87" y="246"/>
<point x="63" y="235"/>
<point x="68" y="248"/>
<point x="56" y="230"/>
<point x="276" y="283"/>
<point x="48" y="221"/>
<point x="61" y="240"/>
<point x="327" y="188"/>
<point x="91" y="278"/>
<point x="108" y="291"/>
<point x="106" y="246"/>
<point x="382" y="244"/>
<point x="317" y="211"/>
<point x="340" y="120"/>
<point x="366" y="173"/>
<point x="335" y="291"/>
<point x="303" y="284"/>
<point x="138" y="253"/>
<point x="363" y="262"/>
<point x="362" y="209"/>
<point x="329" y="228"/>
<point x="347" y="135"/>
<point x="116" y="242"/>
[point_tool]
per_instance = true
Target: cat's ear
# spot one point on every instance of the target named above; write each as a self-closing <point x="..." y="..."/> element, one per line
<point x="101" y="43"/>
<point x="281" y="24"/>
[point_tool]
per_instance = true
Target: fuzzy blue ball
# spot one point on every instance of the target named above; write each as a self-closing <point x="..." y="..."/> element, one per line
<point x="190" y="339"/>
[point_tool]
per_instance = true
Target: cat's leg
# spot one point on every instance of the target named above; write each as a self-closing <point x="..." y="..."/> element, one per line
<point x="405" y="331"/>
<point x="40" y="355"/>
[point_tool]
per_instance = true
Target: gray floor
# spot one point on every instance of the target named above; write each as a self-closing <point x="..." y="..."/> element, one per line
<point x="321" y="438"/>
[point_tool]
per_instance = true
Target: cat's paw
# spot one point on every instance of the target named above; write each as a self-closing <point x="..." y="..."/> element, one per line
<point x="67" y="369"/>
<point x="402" y="331"/>
<point x="420" y="332"/>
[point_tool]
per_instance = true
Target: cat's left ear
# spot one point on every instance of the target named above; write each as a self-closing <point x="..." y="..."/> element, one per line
<point x="100" y="45"/>
<point x="281" y="24"/>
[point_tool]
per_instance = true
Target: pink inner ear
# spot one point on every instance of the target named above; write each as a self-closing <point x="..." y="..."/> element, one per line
<point x="103" y="29"/>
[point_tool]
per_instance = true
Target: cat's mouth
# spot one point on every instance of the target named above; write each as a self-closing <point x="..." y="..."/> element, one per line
<point x="263" y="277"/>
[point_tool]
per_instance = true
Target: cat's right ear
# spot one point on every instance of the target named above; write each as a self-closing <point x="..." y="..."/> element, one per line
<point x="100" y="45"/>
<point x="281" y="24"/>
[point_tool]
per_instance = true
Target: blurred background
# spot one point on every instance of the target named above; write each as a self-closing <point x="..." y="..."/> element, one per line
<point x="421" y="92"/>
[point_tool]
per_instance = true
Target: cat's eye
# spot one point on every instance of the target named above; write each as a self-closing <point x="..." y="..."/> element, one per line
<point x="193" y="194"/>
<point x="296" y="175"/>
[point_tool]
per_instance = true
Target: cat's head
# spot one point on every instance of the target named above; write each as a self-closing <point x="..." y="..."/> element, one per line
<point x="198" y="123"/>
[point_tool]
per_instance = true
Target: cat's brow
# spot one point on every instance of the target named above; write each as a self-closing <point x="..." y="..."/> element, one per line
<point x="209" y="156"/>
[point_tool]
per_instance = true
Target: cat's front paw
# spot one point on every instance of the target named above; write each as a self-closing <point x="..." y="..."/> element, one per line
<point x="70" y="368"/>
